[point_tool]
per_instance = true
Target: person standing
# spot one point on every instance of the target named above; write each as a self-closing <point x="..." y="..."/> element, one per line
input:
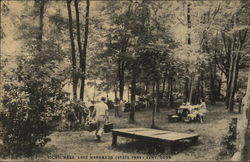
<point x="240" y="95"/>
<point x="147" y="98"/>
<point x="72" y="118"/>
<point x="123" y="105"/>
<point x="202" y="110"/>
<point x="101" y="116"/>
<point x="117" y="107"/>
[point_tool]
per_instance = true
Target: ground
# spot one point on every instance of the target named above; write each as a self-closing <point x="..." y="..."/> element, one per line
<point x="81" y="143"/>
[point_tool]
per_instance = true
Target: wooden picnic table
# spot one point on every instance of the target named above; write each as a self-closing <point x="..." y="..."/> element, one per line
<point x="189" y="107"/>
<point x="161" y="137"/>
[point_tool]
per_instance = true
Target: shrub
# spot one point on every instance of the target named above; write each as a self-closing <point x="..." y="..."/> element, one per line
<point x="33" y="99"/>
<point x="229" y="140"/>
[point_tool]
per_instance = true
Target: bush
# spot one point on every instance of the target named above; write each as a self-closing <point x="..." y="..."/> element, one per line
<point x="229" y="140"/>
<point x="33" y="99"/>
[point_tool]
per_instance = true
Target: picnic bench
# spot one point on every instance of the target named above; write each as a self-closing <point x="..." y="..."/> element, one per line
<point x="165" y="139"/>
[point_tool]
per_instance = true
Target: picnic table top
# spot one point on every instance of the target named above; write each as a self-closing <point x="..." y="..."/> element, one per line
<point x="155" y="133"/>
<point x="189" y="106"/>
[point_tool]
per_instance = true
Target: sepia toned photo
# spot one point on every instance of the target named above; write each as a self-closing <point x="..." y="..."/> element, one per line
<point x="125" y="80"/>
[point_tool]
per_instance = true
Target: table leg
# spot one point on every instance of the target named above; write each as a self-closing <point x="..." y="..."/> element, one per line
<point x="173" y="147"/>
<point x="165" y="148"/>
<point x="114" y="141"/>
<point x="195" y="140"/>
<point x="160" y="148"/>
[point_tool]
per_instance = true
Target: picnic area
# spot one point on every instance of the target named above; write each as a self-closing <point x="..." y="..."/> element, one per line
<point x="211" y="134"/>
<point x="124" y="80"/>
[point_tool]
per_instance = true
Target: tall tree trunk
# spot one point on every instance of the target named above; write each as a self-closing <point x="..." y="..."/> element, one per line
<point x="189" y="21"/>
<point x="119" y="75"/>
<point x="229" y="83"/>
<point x="227" y="91"/>
<point x="236" y="74"/>
<point x="153" y="117"/>
<point x="219" y="84"/>
<point x="41" y="17"/>
<point x="202" y="85"/>
<point x="198" y="91"/>
<point x="163" y="87"/>
<point x="133" y="92"/>
<point x="170" y="91"/>
<point x="187" y="81"/>
<point x="115" y="90"/>
<point x="191" y="90"/>
<point x="233" y="82"/>
<point x="212" y="83"/>
<point x="85" y="43"/>
<point x="157" y="96"/>
<point x="171" y="99"/>
<point x="73" y="51"/>
<point x="233" y="54"/>
<point x="146" y="89"/>
<point x="153" y="94"/>
<point x="128" y="94"/>
<point x="94" y="91"/>
<point x="78" y="32"/>
<point x="153" y="107"/>
<point x="79" y="114"/>
<point x="186" y="90"/>
<point x="121" y="78"/>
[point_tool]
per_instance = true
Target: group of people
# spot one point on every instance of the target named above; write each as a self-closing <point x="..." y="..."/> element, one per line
<point x="95" y="112"/>
<point x="98" y="113"/>
<point x="196" y="111"/>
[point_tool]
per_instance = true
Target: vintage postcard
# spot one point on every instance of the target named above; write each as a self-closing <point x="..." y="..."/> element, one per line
<point x="125" y="80"/>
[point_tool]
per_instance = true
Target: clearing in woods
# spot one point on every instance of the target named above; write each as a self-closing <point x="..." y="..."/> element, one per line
<point x="82" y="143"/>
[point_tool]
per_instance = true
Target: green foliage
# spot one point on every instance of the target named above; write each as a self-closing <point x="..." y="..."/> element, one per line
<point x="33" y="101"/>
<point x="229" y="141"/>
<point x="139" y="37"/>
<point x="78" y="106"/>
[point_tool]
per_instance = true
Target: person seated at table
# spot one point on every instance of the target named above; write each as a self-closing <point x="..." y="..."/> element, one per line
<point x="193" y="114"/>
<point x="183" y="104"/>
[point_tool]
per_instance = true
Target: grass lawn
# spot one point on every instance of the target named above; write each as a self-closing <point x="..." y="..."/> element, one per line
<point x="82" y="143"/>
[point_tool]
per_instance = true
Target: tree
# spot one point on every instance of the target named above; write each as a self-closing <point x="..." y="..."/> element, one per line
<point x="233" y="37"/>
<point x="73" y="51"/>
<point x="41" y="17"/>
<point x="131" y="42"/>
<point x="119" y="40"/>
<point x="33" y="95"/>
<point x="85" y="43"/>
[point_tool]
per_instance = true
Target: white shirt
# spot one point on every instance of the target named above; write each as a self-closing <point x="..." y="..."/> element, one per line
<point x="203" y="108"/>
<point x="101" y="108"/>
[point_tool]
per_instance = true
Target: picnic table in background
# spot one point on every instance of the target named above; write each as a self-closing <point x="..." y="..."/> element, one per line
<point x="164" y="138"/>
<point x="189" y="107"/>
<point x="187" y="113"/>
